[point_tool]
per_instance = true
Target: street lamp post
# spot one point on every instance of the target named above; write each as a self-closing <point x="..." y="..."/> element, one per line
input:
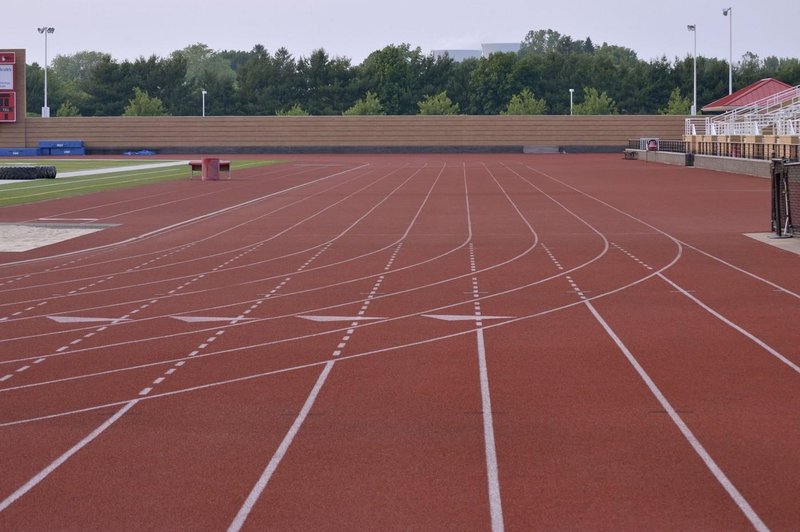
<point x="728" y="12"/>
<point x="204" y="92"/>
<point x="571" y="91"/>
<point x="693" y="29"/>
<point x="45" y="30"/>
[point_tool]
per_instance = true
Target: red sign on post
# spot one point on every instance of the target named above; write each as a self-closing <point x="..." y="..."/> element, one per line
<point x="7" y="61"/>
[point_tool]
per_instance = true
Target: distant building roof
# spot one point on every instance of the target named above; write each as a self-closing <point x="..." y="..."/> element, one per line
<point x="496" y="47"/>
<point x="747" y="96"/>
<point x="457" y="55"/>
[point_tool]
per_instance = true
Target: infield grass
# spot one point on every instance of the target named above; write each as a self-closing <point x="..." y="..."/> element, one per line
<point x="115" y="177"/>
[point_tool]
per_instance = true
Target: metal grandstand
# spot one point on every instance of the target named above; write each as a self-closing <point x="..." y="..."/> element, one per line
<point x="778" y="114"/>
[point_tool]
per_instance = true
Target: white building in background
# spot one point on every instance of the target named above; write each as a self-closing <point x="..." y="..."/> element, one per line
<point x="490" y="48"/>
<point x="486" y="50"/>
<point x="458" y="55"/>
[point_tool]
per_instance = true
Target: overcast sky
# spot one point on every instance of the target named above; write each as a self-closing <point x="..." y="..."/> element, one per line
<point x="355" y="28"/>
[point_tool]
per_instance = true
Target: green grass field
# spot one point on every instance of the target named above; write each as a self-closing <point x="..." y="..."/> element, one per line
<point x="112" y="176"/>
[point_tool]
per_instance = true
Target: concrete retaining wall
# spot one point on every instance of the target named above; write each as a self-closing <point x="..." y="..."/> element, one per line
<point x="735" y="166"/>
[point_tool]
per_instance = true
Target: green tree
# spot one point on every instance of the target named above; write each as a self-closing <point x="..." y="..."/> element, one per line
<point x="78" y="66"/>
<point x="295" y="110"/>
<point x="439" y="104"/>
<point x="143" y="104"/>
<point x="73" y="72"/>
<point x="525" y="103"/>
<point x="396" y="74"/>
<point x="201" y="59"/>
<point x="268" y="83"/>
<point x="327" y="83"/>
<point x="677" y="104"/>
<point x="108" y="87"/>
<point x="370" y="104"/>
<point x="539" y="42"/>
<point x="67" y="109"/>
<point x="595" y="103"/>
<point x="546" y="41"/>
<point x="34" y="83"/>
<point x="493" y="83"/>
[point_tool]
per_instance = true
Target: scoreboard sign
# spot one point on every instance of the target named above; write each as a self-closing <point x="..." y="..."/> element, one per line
<point x="8" y="96"/>
<point x="6" y="77"/>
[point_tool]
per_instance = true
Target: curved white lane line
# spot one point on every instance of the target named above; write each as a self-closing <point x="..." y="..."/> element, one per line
<point x="188" y="261"/>
<point x="741" y="330"/>
<point x="769" y="349"/>
<point x="172" y="227"/>
<point x="687" y="433"/>
<point x="382" y="350"/>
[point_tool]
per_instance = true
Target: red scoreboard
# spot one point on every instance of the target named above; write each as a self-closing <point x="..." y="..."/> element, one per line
<point x="8" y="93"/>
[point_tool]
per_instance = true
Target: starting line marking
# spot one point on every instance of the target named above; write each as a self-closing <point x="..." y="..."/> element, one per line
<point x="464" y="317"/>
<point x="340" y="318"/>
<point x="79" y="319"/>
<point x="204" y="319"/>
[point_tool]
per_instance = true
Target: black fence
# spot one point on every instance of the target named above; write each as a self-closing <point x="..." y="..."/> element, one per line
<point x="674" y="146"/>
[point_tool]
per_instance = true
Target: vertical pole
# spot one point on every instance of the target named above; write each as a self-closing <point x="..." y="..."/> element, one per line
<point x="728" y="12"/>
<point x="45" y="69"/>
<point x="730" y="54"/>
<point x="45" y="30"/>
<point x="693" y="29"/>
<point x="570" y="101"/>
<point x="694" y="106"/>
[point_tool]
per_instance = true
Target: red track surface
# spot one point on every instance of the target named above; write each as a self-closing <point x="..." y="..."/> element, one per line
<point x="622" y="356"/>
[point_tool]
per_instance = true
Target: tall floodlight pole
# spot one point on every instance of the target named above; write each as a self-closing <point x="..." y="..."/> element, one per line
<point x="204" y="92"/>
<point x="693" y="29"/>
<point x="45" y="30"/>
<point x="728" y="12"/>
<point x="571" y="91"/>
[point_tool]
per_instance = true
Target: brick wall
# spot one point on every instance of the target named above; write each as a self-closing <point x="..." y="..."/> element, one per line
<point x="341" y="132"/>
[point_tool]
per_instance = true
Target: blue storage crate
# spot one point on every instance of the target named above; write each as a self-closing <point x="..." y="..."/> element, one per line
<point x="61" y="144"/>
<point x="19" y="152"/>
<point x="67" y="151"/>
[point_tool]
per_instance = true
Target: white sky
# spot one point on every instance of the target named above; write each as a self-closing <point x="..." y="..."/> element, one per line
<point x="355" y="28"/>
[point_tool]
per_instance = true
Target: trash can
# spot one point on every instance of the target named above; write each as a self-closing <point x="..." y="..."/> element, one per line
<point x="210" y="169"/>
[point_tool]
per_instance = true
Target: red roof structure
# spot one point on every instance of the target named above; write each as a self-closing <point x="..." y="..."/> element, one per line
<point x="743" y="97"/>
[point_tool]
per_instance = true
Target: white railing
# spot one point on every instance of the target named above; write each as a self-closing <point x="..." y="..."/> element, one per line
<point x="779" y="112"/>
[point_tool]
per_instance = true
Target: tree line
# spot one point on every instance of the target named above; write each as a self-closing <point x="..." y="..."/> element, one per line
<point x="395" y="80"/>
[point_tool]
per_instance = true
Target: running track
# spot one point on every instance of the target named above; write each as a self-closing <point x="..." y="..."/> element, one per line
<point x="405" y="343"/>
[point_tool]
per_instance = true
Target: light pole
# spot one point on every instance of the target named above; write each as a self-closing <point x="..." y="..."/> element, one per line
<point x="728" y="12"/>
<point x="45" y="30"/>
<point x="571" y="91"/>
<point x="693" y="29"/>
<point x="204" y="92"/>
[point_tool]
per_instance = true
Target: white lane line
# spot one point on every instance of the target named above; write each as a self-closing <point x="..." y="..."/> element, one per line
<point x="493" y="478"/>
<point x="261" y="485"/>
<point x="735" y="327"/>
<point x="64" y="457"/>
<point x="734" y="493"/>
<point x="490" y="449"/>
